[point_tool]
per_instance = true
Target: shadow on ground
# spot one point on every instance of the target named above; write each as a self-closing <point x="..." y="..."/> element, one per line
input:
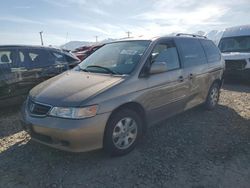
<point x="237" y="84"/>
<point x="238" y="87"/>
<point x="194" y="149"/>
<point x="9" y="121"/>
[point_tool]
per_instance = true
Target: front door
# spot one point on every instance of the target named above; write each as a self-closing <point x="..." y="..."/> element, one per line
<point x="168" y="91"/>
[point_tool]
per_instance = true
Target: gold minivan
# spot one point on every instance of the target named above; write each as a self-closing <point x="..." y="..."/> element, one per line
<point x="111" y="97"/>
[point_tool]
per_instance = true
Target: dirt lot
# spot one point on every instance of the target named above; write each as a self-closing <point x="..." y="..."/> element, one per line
<point x="196" y="149"/>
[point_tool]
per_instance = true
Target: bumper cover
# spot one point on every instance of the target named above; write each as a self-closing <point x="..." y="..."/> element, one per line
<point x="244" y="73"/>
<point x="67" y="134"/>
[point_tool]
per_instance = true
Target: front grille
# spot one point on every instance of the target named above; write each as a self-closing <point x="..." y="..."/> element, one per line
<point x="235" y="64"/>
<point x="38" y="109"/>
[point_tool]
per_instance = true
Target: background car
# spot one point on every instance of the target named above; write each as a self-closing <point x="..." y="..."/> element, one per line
<point x="84" y="51"/>
<point x="235" y="49"/>
<point x="23" y="67"/>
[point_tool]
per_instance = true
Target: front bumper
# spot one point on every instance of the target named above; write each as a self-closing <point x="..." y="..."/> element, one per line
<point x="67" y="134"/>
<point x="243" y="74"/>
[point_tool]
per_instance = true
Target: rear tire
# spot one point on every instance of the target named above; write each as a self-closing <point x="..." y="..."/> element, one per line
<point x="122" y="133"/>
<point x="213" y="97"/>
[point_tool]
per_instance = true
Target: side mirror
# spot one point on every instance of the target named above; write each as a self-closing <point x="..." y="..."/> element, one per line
<point x="158" y="67"/>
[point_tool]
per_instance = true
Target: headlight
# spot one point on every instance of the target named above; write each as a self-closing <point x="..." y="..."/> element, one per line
<point x="74" y="113"/>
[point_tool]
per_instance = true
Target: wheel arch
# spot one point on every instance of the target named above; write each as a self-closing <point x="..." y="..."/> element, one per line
<point x="136" y="107"/>
<point x="218" y="81"/>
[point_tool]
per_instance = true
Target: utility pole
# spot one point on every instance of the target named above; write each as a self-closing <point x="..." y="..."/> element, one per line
<point x="41" y="36"/>
<point x="96" y="39"/>
<point x="66" y="40"/>
<point x="128" y="33"/>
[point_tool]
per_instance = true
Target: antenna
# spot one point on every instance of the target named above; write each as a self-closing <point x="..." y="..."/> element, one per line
<point x="41" y="37"/>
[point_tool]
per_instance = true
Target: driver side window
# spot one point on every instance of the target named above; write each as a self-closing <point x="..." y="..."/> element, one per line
<point x="166" y="52"/>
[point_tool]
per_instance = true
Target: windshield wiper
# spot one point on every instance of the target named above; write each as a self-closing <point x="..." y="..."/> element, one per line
<point x="104" y="68"/>
<point x="78" y="68"/>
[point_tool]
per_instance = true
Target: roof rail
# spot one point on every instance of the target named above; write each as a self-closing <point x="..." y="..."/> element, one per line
<point x="192" y="35"/>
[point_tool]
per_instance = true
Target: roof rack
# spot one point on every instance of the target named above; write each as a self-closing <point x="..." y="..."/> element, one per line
<point x="192" y="35"/>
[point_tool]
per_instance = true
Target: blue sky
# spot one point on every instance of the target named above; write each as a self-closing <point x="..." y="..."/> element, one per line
<point x="65" y="20"/>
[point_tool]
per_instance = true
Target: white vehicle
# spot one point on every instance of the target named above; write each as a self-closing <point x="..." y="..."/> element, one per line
<point x="235" y="48"/>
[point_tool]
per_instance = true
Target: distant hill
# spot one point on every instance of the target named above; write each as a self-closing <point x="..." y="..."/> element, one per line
<point x="76" y="44"/>
<point x="214" y="35"/>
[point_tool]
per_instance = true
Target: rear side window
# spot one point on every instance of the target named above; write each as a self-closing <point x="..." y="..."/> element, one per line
<point x="7" y="60"/>
<point x="34" y="58"/>
<point x="212" y="52"/>
<point x="4" y="57"/>
<point x="192" y="52"/>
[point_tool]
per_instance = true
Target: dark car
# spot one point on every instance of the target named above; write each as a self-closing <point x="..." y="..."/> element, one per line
<point x="23" y="67"/>
<point x="84" y="51"/>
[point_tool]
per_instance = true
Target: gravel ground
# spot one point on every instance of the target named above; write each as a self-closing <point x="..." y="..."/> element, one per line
<point x="196" y="149"/>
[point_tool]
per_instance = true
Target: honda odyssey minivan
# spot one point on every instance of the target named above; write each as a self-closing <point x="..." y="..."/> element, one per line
<point x="110" y="98"/>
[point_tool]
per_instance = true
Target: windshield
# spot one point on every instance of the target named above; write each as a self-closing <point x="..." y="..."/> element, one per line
<point x="115" y="58"/>
<point x="235" y="44"/>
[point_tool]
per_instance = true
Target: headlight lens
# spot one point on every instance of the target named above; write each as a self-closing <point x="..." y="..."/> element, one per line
<point x="74" y="113"/>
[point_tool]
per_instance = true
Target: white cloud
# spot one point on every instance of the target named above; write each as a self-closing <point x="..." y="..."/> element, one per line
<point x="22" y="7"/>
<point x="14" y="38"/>
<point x="31" y="38"/>
<point x="179" y="19"/>
<point x="77" y="25"/>
<point x="112" y="18"/>
<point x="19" y="20"/>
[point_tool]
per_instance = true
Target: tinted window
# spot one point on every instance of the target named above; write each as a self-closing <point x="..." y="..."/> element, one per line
<point x="34" y="58"/>
<point x="5" y="56"/>
<point x="63" y="57"/>
<point x="212" y="52"/>
<point x="166" y="52"/>
<point x="58" y="57"/>
<point x="7" y="60"/>
<point x="192" y="52"/>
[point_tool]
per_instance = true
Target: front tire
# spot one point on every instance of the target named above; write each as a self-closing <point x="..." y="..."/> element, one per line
<point x="123" y="131"/>
<point x="213" y="97"/>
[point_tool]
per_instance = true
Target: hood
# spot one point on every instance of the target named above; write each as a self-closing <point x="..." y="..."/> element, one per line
<point x="72" y="88"/>
<point x="235" y="55"/>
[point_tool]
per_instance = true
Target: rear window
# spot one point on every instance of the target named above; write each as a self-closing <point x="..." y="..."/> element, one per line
<point x="192" y="52"/>
<point x="58" y="57"/>
<point x="212" y="52"/>
<point x="63" y="57"/>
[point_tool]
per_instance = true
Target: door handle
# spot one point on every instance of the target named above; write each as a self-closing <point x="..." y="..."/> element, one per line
<point x="181" y="79"/>
<point x="191" y="76"/>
